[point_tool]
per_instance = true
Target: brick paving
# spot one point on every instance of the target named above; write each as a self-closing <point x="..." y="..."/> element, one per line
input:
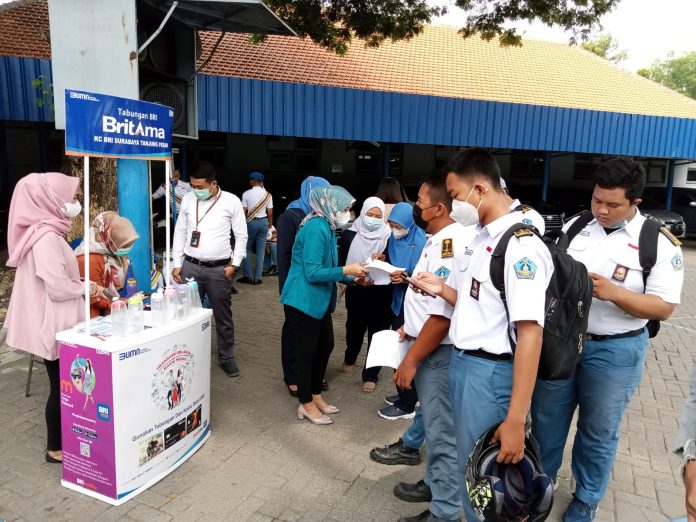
<point x="262" y="464"/>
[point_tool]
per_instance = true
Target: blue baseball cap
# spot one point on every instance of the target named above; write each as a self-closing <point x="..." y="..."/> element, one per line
<point x="256" y="175"/>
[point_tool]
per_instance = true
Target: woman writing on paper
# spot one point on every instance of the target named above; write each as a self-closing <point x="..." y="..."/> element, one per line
<point x="309" y="295"/>
<point x="111" y="238"/>
<point x="368" y="306"/>
<point x="47" y="292"/>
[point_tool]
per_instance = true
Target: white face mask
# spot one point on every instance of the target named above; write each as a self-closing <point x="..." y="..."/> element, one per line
<point x="342" y="218"/>
<point x="71" y="210"/>
<point x="464" y="212"/>
<point x="399" y="232"/>
<point x="372" y="223"/>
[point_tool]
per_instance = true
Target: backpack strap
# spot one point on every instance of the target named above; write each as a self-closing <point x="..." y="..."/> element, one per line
<point x="647" y="245"/>
<point x="497" y="267"/>
<point x="583" y="219"/>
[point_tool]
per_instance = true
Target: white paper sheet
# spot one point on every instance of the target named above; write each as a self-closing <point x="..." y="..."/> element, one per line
<point x="386" y="350"/>
<point x="379" y="271"/>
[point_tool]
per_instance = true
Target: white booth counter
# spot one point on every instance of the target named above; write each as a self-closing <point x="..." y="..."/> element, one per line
<point x="133" y="408"/>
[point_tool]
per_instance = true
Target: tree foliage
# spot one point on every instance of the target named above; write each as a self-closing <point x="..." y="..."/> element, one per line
<point x="606" y="47"/>
<point x="333" y="23"/>
<point x="678" y="74"/>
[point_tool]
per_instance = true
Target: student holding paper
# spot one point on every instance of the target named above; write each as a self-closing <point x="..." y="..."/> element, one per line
<point x="427" y="320"/>
<point x="369" y="306"/>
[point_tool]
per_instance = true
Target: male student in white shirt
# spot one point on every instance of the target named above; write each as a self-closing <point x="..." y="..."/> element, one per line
<point x="202" y="251"/>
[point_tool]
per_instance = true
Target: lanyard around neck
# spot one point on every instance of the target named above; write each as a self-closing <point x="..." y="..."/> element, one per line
<point x="198" y="221"/>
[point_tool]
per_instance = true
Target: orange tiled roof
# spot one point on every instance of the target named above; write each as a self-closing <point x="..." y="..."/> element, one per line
<point x="438" y="62"/>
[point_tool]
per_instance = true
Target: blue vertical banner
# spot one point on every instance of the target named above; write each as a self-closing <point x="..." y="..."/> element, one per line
<point x="109" y="126"/>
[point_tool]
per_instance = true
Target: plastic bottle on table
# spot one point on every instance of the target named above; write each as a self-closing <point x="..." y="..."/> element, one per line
<point x="119" y="319"/>
<point x="183" y="302"/>
<point x="194" y="296"/>
<point x="157" y="307"/>
<point x="136" y="319"/>
<point x="170" y="305"/>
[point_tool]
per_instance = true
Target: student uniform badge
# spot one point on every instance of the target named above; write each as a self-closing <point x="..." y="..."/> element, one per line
<point x="446" y="248"/>
<point x="525" y="268"/>
<point x="620" y="273"/>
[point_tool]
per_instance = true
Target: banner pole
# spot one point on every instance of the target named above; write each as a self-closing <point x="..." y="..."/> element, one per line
<point x="166" y="265"/>
<point x="86" y="241"/>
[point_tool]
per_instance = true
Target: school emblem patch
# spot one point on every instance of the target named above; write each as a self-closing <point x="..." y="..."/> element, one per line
<point x="527" y="221"/>
<point x="525" y="268"/>
<point x="443" y="273"/>
<point x="620" y="273"/>
<point x="677" y="262"/>
<point x="446" y="249"/>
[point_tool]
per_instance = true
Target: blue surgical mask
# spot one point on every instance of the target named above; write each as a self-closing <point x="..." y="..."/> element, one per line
<point x="123" y="251"/>
<point x="372" y="223"/>
<point x="202" y="194"/>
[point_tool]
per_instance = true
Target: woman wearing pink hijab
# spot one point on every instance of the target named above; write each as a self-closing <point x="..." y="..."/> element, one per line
<point x="47" y="292"/>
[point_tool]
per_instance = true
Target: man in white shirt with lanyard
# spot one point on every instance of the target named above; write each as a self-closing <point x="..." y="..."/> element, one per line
<point x="613" y="356"/>
<point x="202" y="250"/>
<point x="258" y="208"/>
<point x="487" y="385"/>
<point x="181" y="188"/>
<point x="427" y="320"/>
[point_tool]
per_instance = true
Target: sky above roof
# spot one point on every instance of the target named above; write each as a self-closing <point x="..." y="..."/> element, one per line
<point x="648" y="29"/>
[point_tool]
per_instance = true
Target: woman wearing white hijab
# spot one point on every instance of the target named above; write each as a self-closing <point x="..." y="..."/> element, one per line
<point x="369" y="307"/>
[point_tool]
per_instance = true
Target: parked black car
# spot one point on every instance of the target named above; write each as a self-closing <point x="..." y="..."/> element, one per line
<point x="673" y="221"/>
<point x="683" y="203"/>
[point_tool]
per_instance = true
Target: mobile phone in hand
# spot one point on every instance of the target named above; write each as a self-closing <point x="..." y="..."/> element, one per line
<point x="419" y="286"/>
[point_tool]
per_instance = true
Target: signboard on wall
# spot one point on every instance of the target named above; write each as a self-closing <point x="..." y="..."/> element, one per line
<point x="109" y="126"/>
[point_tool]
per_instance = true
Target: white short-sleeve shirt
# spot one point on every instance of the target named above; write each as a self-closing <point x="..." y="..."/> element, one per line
<point x="615" y="256"/>
<point x="529" y="216"/>
<point x="438" y="258"/>
<point x="253" y="196"/>
<point x="479" y="320"/>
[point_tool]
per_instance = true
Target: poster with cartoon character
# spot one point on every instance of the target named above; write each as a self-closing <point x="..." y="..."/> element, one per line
<point x="134" y="409"/>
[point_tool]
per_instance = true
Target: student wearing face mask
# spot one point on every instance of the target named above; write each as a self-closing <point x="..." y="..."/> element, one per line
<point x="487" y="385"/>
<point x="202" y="250"/>
<point x="111" y="238"/>
<point x="310" y="294"/>
<point x="608" y="241"/>
<point x="368" y="306"/>
<point x="47" y="291"/>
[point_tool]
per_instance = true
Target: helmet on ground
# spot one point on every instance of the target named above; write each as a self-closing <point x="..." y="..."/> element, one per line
<point x="507" y="492"/>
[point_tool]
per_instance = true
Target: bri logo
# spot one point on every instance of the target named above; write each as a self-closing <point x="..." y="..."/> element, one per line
<point x="205" y="326"/>
<point x="104" y="412"/>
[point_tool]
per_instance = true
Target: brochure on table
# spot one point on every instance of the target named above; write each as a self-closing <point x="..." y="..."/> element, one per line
<point x="133" y="409"/>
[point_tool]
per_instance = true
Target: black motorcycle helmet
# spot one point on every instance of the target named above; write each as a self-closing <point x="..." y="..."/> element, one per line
<point x="507" y="492"/>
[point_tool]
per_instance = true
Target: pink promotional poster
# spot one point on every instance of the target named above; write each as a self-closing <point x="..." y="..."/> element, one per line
<point x="87" y="414"/>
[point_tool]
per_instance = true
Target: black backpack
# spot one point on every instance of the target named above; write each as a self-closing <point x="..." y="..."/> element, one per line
<point x="568" y="300"/>
<point x="647" y="249"/>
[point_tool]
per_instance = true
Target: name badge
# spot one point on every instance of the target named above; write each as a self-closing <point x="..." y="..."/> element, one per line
<point x="195" y="239"/>
<point x="620" y="273"/>
<point x="475" y="289"/>
<point x="446" y="249"/>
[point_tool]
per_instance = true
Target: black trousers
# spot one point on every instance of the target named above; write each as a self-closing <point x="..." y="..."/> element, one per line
<point x="287" y="349"/>
<point x="54" y="440"/>
<point x="369" y="310"/>
<point x="214" y="283"/>
<point x="314" y="342"/>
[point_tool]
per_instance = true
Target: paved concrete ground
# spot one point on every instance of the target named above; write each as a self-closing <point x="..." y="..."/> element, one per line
<point x="262" y="464"/>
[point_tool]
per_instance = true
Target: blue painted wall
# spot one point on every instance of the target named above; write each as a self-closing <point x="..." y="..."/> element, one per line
<point x="240" y="105"/>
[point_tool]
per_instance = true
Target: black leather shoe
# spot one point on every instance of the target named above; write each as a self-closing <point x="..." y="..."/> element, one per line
<point x="245" y="280"/>
<point x="418" y="492"/>
<point x="230" y="368"/>
<point x="234" y="290"/>
<point x="256" y="282"/>
<point x="425" y="516"/>
<point x="397" y="453"/>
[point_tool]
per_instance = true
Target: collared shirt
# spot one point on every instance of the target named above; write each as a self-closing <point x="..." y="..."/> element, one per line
<point x="180" y="190"/>
<point x="215" y="222"/>
<point x="530" y="217"/>
<point x="253" y="196"/>
<point x="615" y="256"/>
<point x="479" y="320"/>
<point x="438" y="258"/>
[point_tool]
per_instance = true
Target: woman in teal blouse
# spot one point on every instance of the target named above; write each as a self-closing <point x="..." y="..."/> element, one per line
<point x="309" y="295"/>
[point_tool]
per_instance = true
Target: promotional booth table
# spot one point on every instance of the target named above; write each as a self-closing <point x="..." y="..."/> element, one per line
<point x="135" y="408"/>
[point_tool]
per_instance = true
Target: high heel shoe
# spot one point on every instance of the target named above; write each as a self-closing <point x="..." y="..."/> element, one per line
<point x="52" y="460"/>
<point x="302" y="414"/>
<point x="329" y="410"/>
